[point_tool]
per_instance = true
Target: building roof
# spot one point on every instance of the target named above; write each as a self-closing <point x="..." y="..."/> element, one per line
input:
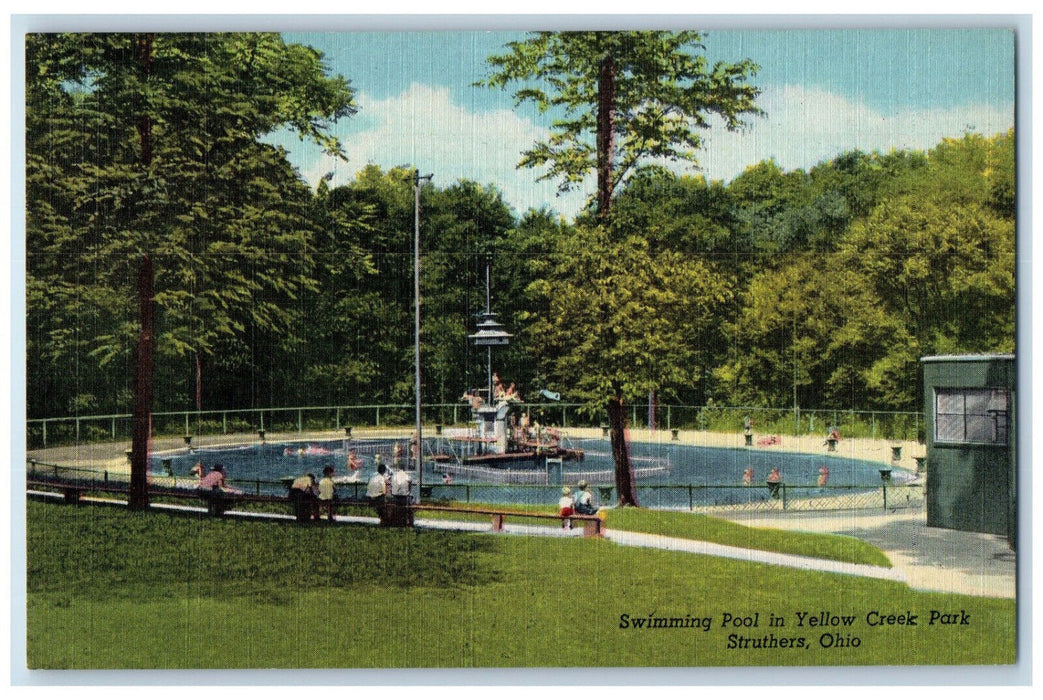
<point x="968" y="358"/>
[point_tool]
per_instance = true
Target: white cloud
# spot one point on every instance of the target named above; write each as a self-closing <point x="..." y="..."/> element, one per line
<point x="423" y="128"/>
<point x="803" y="126"/>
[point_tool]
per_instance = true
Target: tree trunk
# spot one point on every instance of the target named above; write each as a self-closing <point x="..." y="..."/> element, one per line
<point x="605" y="134"/>
<point x="142" y="428"/>
<point x="142" y="391"/>
<point x="625" y="480"/>
<point x="144" y="46"/>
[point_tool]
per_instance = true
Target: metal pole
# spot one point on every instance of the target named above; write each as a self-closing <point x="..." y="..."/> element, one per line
<point x="416" y="327"/>
<point x="488" y="349"/>
<point x="796" y="411"/>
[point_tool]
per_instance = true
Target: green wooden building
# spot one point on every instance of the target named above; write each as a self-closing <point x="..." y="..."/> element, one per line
<point x="969" y="403"/>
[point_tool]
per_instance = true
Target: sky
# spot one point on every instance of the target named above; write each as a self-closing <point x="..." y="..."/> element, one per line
<point x="825" y="91"/>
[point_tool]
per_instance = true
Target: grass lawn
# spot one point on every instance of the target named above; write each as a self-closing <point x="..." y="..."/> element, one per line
<point x="708" y="529"/>
<point x="705" y="528"/>
<point x="108" y="588"/>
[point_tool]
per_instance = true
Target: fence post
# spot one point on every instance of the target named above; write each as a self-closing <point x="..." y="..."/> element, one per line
<point x="378" y="416"/>
<point x="784" y="495"/>
<point x="299" y="420"/>
<point x="668" y="424"/>
<point x="77" y="430"/>
<point x="44" y="434"/>
<point x="337" y="427"/>
<point x="224" y="422"/>
<point x="691" y="504"/>
<point x="114" y="427"/>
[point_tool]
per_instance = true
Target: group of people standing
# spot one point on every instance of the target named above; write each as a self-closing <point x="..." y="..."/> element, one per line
<point x="386" y="482"/>
<point x="314" y="498"/>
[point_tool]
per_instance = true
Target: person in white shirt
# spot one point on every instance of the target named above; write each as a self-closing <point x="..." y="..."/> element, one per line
<point x="376" y="490"/>
<point x="400" y="487"/>
<point x="585" y="500"/>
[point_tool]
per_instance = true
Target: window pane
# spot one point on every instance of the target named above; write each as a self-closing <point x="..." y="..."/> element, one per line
<point x="948" y="428"/>
<point x="949" y="401"/>
<point x="971" y="415"/>
<point x="981" y="429"/>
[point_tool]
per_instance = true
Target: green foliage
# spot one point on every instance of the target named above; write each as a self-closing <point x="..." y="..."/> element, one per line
<point x="822" y="288"/>
<point x="151" y="144"/>
<point x="929" y="268"/>
<point x="621" y="320"/>
<point x="666" y="93"/>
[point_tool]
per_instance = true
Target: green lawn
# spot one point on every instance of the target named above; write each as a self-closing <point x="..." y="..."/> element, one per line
<point x="709" y="529"/>
<point x="705" y="528"/>
<point x="112" y="589"/>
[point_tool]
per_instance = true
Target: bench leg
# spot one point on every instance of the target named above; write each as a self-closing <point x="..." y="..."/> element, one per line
<point x="592" y="528"/>
<point x="71" y="495"/>
<point x="498" y="519"/>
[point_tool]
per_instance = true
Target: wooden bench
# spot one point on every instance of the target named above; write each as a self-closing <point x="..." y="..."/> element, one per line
<point x="73" y="489"/>
<point x="217" y="502"/>
<point x="391" y="515"/>
<point x="592" y="524"/>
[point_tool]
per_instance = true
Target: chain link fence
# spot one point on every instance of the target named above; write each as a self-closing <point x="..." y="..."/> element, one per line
<point x="705" y="498"/>
<point x="42" y="433"/>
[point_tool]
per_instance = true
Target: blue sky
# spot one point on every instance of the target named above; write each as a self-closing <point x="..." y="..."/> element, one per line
<point x="825" y="91"/>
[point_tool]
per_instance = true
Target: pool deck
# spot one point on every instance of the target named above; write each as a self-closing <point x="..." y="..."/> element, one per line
<point x="112" y="455"/>
<point x="930" y="559"/>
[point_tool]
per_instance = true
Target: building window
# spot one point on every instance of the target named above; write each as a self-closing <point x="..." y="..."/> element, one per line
<point x="971" y="416"/>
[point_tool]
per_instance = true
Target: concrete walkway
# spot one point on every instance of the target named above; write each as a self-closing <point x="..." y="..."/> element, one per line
<point x="928" y="558"/>
<point x="793" y="561"/>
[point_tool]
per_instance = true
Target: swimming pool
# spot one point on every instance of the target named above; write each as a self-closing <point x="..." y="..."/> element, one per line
<point x="717" y="473"/>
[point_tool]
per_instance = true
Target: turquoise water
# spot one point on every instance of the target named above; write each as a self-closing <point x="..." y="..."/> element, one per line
<point x="696" y="475"/>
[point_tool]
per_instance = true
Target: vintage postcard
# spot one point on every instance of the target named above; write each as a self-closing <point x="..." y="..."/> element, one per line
<point x="363" y="346"/>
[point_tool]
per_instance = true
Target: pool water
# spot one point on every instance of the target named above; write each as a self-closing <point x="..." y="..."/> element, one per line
<point x="261" y="468"/>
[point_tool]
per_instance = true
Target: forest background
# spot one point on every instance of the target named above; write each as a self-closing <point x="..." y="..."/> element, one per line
<point x="818" y="288"/>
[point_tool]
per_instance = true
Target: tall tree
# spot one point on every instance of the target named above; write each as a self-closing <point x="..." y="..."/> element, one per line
<point x="620" y="99"/>
<point x="612" y="318"/>
<point x="222" y="214"/>
<point x="178" y="177"/>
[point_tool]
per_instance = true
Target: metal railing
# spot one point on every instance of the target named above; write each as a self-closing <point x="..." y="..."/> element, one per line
<point x="707" y="498"/>
<point x="42" y="433"/>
